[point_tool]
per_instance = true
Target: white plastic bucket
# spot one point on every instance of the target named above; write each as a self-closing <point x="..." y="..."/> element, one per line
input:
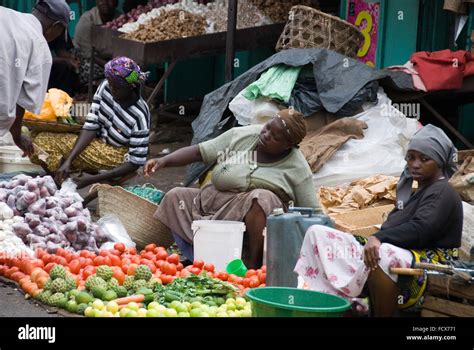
<point x="218" y="241"/>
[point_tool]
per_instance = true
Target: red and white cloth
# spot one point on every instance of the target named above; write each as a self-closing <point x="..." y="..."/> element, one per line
<point x="332" y="262"/>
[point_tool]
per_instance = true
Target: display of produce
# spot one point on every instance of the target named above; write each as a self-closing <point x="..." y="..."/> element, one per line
<point x="169" y="25"/>
<point x="278" y="10"/>
<point x="45" y="217"/>
<point x="122" y="283"/>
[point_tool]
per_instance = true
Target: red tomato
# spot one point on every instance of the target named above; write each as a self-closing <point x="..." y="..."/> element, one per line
<point x="166" y="279"/>
<point x="173" y="259"/>
<point x="149" y="255"/>
<point x="88" y="271"/>
<point x="60" y="252"/>
<point x="84" y="253"/>
<point x="159" y="264"/>
<point x="250" y="273"/>
<point x="161" y="255"/>
<point x="246" y="282"/>
<point x="135" y="259"/>
<point x="209" y="267"/>
<point x="118" y="274"/>
<point x="131" y="269"/>
<point x="264" y="268"/>
<point x="89" y="262"/>
<point x="223" y="276"/>
<point x="179" y="267"/>
<point x="171" y="269"/>
<point x="150" y="247"/>
<point x="132" y="250"/>
<point x="125" y="268"/>
<point x="107" y="260"/>
<point x="75" y="266"/>
<point x="40" y="252"/>
<point x="49" y="266"/>
<point x="99" y="260"/>
<point x="254" y="282"/>
<point x="198" y="263"/>
<point x="263" y="278"/>
<point x="115" y="260"/>
<point x="184" y="273"/>
<point x="104" y="253"/>
<point x="114" y="252"/>
<point x="195" y="270"/>
<point x="9" y="272"/>
<point x="120" y="247"/>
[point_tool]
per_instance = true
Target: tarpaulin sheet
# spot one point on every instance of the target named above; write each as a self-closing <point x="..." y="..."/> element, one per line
<point x="338" y="79"/>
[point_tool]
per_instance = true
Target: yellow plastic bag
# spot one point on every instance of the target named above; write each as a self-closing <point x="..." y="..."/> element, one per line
<point x="57" y="103"/>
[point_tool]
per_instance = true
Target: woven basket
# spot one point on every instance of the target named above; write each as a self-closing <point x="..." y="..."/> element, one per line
<point x="42" y="126"/>
<point x="310" y="28"/>
<point x="136" y="214"/>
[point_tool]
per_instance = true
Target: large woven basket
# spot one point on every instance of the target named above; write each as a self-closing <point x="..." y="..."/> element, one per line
<point x="136" y="214"/>
<point x="309" y="28"/>
<point x="42" y="126"/>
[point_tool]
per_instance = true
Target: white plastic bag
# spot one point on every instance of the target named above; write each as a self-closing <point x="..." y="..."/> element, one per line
<point x="252" y="112"/>
<point x="115" y="231"/>
<point x="381" y="151"/>
<point x="69" y="190"/>
<point x="467" y="242"/>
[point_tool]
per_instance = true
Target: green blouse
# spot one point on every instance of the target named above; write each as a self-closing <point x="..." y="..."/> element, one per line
<point x="237" y="168"/>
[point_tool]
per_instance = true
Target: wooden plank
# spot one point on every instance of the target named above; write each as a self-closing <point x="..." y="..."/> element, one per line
<point x="448" y="287"/>
<point x="448" y="307"/>
<point x="429" y="313"/>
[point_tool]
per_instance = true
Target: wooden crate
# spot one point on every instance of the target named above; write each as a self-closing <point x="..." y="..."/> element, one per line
<point x="446" y="297"/>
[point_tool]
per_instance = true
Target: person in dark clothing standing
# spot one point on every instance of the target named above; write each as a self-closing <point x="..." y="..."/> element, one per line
<point x="65" y="70"/>
<point x="425" y="226"/>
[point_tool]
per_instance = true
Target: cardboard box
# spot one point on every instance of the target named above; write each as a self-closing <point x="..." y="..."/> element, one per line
<point x="362" y="222"/>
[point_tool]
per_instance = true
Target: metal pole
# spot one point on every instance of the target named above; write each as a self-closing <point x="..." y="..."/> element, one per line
<point x="229" y="45"/>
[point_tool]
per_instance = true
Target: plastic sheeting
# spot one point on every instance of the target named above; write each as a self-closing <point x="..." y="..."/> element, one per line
<point x="381" y="151"/>
<point x="305" y="98"/>
<point x="338" y="79"/>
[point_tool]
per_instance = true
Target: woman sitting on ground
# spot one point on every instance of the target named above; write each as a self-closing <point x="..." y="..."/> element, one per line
<point x="425" y="226"/>
<point x="114" y="139"/>
<point x="259" y="168"/>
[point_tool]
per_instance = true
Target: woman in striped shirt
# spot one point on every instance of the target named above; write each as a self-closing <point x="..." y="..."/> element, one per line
<point x="115" y="137"/>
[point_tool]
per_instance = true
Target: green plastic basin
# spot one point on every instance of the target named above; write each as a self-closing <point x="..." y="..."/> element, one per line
<point x="294" y="302"/>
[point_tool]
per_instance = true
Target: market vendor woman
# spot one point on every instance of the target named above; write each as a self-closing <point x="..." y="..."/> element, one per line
<point x="114" y="139"/>
<point x="425" y="226"/>
<point x="259" y="168"/>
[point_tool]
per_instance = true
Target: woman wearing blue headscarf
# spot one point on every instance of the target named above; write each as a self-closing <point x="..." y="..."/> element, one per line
<point x="425" y="226"/>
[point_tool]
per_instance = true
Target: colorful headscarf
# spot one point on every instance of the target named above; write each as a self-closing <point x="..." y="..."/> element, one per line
<point x="124" y="71"/>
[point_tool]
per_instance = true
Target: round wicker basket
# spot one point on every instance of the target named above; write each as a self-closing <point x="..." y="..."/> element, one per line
<point x="136" y="214"/>
<point x="309" y="28"/>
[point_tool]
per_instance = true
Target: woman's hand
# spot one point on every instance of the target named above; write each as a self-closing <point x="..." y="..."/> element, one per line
<point x="371" y="253"/>
<point x="63" y="172"/>
<point x="152" y="166"/>
<point x="84" y="180"/>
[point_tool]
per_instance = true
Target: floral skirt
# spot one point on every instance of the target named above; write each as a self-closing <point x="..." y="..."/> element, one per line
<point x="332" y="262"/>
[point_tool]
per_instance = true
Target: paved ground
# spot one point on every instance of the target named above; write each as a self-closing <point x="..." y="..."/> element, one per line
<point x="12" y="301"/>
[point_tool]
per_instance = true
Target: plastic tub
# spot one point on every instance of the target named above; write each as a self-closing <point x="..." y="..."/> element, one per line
<point x="218" y="241"/>
<point x="11" y="160"/>
<point x="294" y="302"/>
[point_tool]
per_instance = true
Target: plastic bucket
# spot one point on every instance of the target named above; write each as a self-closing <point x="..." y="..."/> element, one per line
<point x="294" y="302"/>
<point x="218" y="241"/>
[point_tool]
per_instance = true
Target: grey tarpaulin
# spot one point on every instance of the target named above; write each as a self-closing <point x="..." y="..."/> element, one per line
<point x="338" y="78"/>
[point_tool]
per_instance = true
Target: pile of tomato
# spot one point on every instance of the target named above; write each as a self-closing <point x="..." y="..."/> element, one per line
<point x="32" y="273"/>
